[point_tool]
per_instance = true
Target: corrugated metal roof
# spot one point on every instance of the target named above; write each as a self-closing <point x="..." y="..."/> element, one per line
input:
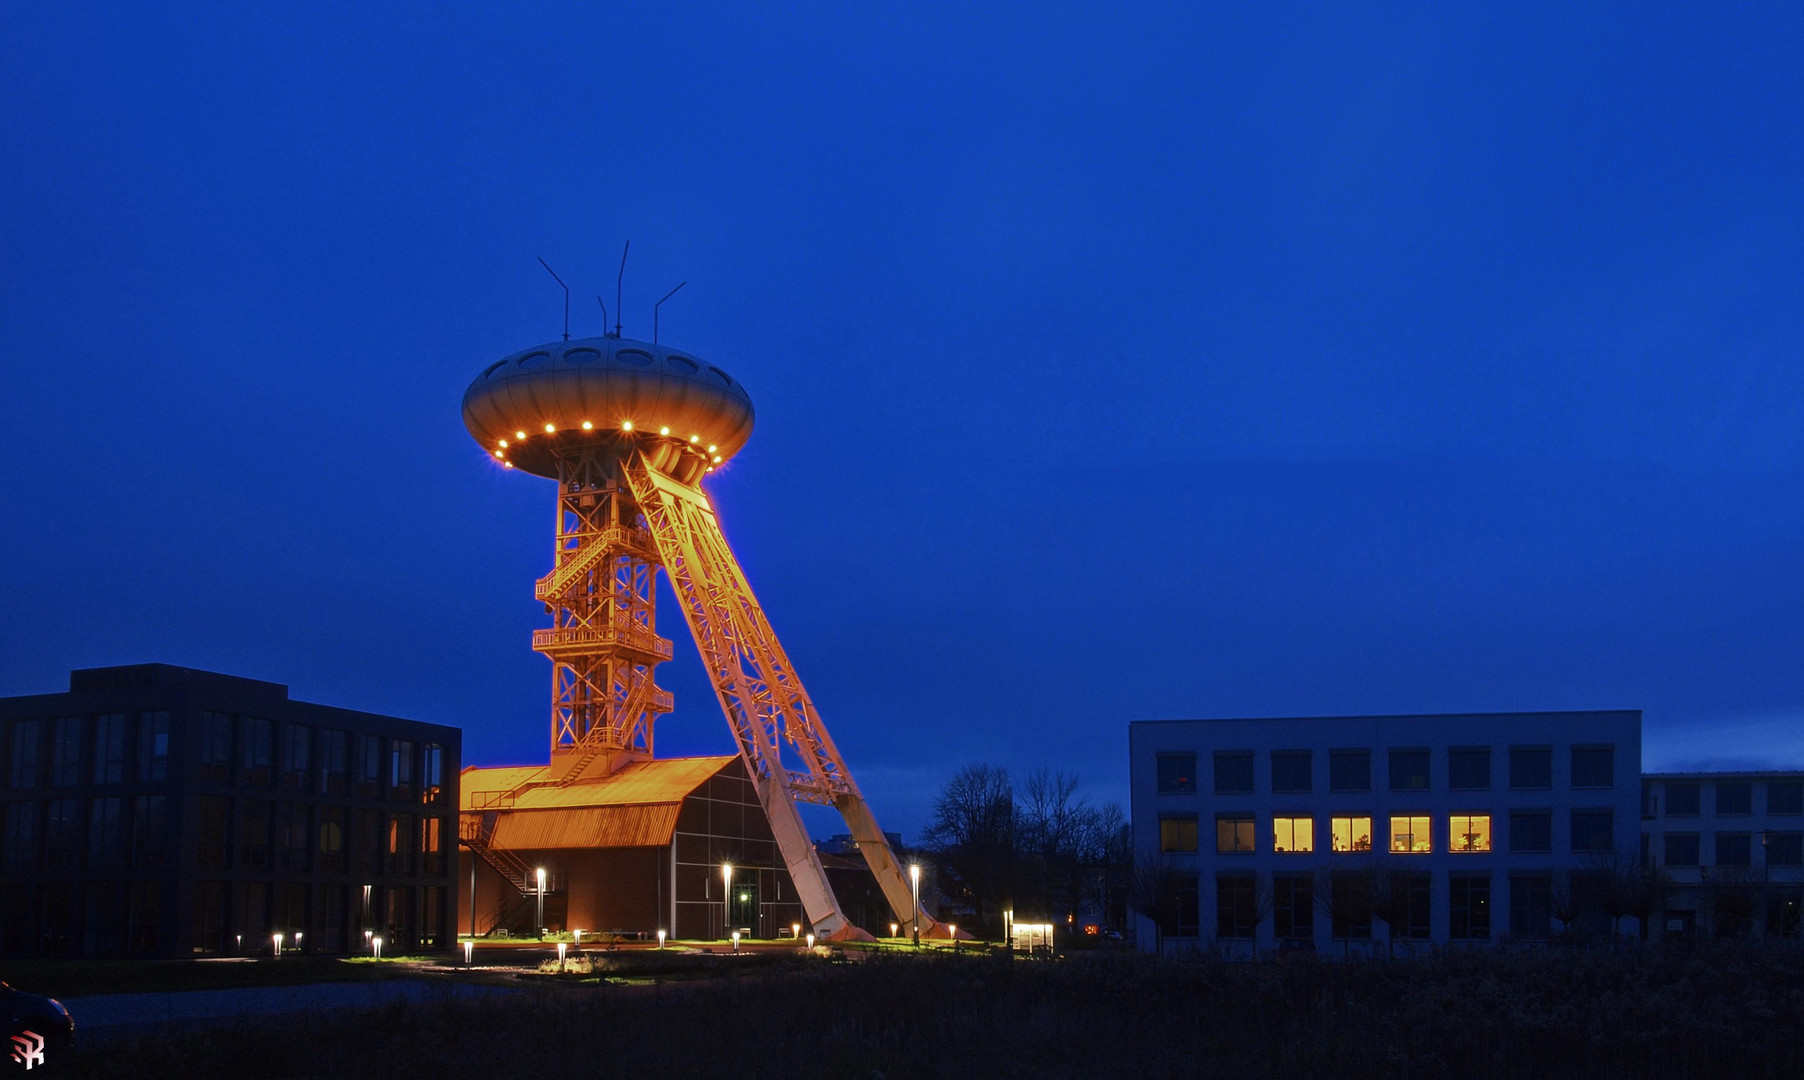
<point x="586" y="827"/>
<point x="661" y="780"/>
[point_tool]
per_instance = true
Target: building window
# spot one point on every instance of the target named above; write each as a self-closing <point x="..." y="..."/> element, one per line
<point x="1469" y="769"/>
<point x="21" y="850"/>
<point x="1177" y="832"/>
<point x="63" y="846"/>
<point x="369" y="767"/>
<point x="432" y="845"/>
<point x="1682" y="799"/>
<point x="297" y="839"/>
<point x="1531" y="830"/>
<point x="432" y="772"/>
<point x="1293" y="835"/>
<point x="1409" y="770"/>
<point x="1681" y="849"/>
<point x="1291" y="771"/>
<point x="1593" y="766"/>
<point x="1189" y="905"/>
<point x="1409" y="835"/>
<point x="1469" y="832"/>
<point x="1782" y="917"/>
<point x="1783" y="848"/>
<point x="1350" y="905"/>
<point x="65" y="752"/>
<point x="105" y="835"/>
<point x="1350" y="770"/>
<point x="253" y="834"/>
<point x="1785" y="797"/>
<point x="254" y="738"/>
<point x="1734" y="849"/>
<point x="1177" y="774"/>
<point x="27" y="736"/>
<point x="1236" y="906"/>
<point x="1233" y="773"/>
<point x="1531" y="766"/>
<point x="109" y="748"/>
<point x="331" y="840"/>
<point x="1351" y="833"/>
<point x="369" y="839"/>
<point x="297" y="742"/>
<point x="147" y="831"/>
<point x="400" y="769"/>
<point x="1234" y="833"/>
<point x="1293" y="907"/>
<point x="153" y="747"/>
<point x="1734" y="797"/>
<point x="334" y="762"/>
<point x="1408" y="906"/>
<point x="1592" y="830"/>
<point x="1531" y="907"/>
<point x="400" y="843"/>
<point x="1469" y="908"/>
<point x="212" y="850"/>
<point x="216" y="748"/>
<point x="1650" y="807"/>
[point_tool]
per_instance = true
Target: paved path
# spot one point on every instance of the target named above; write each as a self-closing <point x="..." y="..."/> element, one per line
<point x="117" y="1014"/>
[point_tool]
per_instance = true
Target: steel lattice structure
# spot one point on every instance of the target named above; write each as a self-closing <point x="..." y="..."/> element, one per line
<point x="628" y="430"/>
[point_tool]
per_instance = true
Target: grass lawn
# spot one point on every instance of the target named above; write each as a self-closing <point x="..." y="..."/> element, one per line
<point x="1717" y="1012"/>
<point x="75" y="978"/>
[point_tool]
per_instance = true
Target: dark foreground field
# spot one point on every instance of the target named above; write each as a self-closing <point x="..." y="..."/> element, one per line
<point x="1709" y="1013"/>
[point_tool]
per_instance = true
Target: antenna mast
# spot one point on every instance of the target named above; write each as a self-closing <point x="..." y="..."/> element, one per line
<point x="617" y="280"/>
<point x="560" y="281"/>
<point x="656" y="306"/>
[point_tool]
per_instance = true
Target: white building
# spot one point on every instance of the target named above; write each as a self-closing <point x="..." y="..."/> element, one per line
<point x="1381" y="832"/>
<point x="1731" y="847"/>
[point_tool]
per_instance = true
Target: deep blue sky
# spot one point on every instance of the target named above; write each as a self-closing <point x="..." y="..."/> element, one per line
<point x="1131" y="362"/>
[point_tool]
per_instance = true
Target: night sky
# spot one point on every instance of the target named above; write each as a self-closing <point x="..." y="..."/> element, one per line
<point x="1110" y="363"/>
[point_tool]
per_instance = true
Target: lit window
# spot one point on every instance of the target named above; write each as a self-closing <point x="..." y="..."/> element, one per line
<point x="1234" y="832"/>
<point x="1409" y="834"/>
<point x="1177" y="834"/>
<point x="1352" y="833"/>
<point x="1293" y="835"/>
<point x="1469" y="832"/>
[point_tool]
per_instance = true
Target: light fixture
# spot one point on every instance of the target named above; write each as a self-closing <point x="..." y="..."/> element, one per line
<point x="501" y="456"/>
<point x="660" y="939"/>
<point x="695" y="438"/>
<point x="717" y="459"/>
<point x="519" y="434"/>
<point x="712" y="448"/>
<point x="550" y="428"/>
<point x="663" y="431"/>
<point x="795" y="929"/>
<point x="278" y="939"/>
<point x="626" y="425"/>
<point x="894" y="929"/>
<point x="588" y="426"/>
<point x="735" y="941"/>
<point x="469" y="952"/>
<point x="504" y="444"/>
<point x="376" y="943"/>
<point x="508" y="464"/>
<point x="811" y="941"/>
<point x="561" y="947"/>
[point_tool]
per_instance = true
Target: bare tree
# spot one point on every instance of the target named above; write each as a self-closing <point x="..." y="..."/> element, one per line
<point x="1153" y="892"/>
<point x="973" y="831"/>
<point x="1560" y="904"/>
<point x="1345" y="897"/>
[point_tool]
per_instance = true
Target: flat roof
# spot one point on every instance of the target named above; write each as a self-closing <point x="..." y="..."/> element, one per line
<point x="1393" y="716"/>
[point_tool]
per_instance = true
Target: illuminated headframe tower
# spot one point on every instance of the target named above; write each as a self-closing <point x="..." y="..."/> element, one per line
<point x="628" y="430"/>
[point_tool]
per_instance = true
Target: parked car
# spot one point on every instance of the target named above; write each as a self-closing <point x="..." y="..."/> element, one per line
<point x="39" y="1031"/>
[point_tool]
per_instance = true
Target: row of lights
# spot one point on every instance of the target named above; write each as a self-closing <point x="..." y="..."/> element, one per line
<point x="625" y="425"/>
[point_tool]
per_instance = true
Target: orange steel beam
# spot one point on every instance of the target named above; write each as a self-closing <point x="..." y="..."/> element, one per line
<point x="764" y="701"/>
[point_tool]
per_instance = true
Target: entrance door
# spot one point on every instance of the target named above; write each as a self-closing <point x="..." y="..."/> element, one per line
<point x="742" y="907"/>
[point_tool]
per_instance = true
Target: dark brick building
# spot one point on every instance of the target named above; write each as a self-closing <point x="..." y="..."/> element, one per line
<point x="160" y="811"/>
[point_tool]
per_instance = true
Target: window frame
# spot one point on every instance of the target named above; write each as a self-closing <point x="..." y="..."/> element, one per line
<point x="1235" y="759"/>
<point x="1541" y="749"/>
<point x="1291" y="821"/>
<point x="1426" y="840"/>
<point x="1236" y="819"/>
<point x="1177" y="821"/>
<point x="1334" y="821"/>
<point x="1573" y="752"/>
<point x="1349" y="754"/>
<point x="1409" y="753"/>
<point x="1697" y="849"/>
<point x="1521" y="814"/>
<point x="1185" y="785"/>
<point x="1454" y="755"/>
<point x="1606" y="813"/>
<point x="1470" y="816"/>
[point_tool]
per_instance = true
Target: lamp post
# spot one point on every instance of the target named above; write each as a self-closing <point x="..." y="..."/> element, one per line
<point x="895" y="931"/>
<point x="376" y="943"/>
<point x="660" y="939"/>
<point x="541" y="921"/>
<point x="469" y="953"/>
<point x="914" y="883"/>
<point x="726" y="898"/>
<point x="735" y="941"/>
